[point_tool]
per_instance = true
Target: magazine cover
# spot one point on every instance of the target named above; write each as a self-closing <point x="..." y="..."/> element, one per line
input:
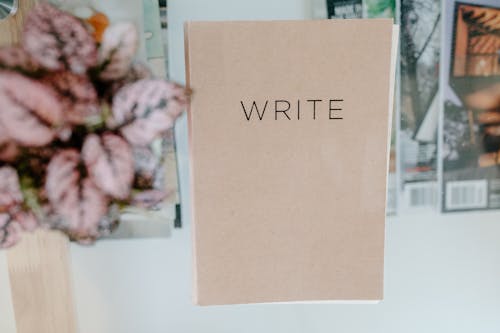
<point x="344" y="9"/>
<point x="471" y="110"/>
<point x="419" y="103"/>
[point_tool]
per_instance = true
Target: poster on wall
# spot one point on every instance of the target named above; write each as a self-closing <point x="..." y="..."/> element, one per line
<point x="471" y="106"/>
<point x="419" y="103"/>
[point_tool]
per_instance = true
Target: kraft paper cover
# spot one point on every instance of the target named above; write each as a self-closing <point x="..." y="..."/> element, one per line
<point x="288" y="203"/>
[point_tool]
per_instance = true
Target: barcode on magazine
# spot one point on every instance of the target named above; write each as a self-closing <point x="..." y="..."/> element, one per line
<point x="421" y="195"/>
<point x="467" y="194"/>
<point x="494" y="193"/>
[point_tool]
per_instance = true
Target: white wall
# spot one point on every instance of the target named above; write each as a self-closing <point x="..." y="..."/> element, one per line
<point x="442" y="273"/>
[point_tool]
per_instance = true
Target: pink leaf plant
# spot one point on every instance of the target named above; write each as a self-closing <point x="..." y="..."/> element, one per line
<point x="77" y="124"/>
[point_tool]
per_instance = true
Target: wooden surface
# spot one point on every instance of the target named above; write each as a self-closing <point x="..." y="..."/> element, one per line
<point x="9" y="28"/>
<point x="39" y="267"/>
<point x="39" y="272"/>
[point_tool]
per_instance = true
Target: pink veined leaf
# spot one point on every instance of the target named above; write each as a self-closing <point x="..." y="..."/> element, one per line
<point x="57" y="40"/>
<point x="75" y="199"/>
<point x="107" y="225"/>
<point x="110" y="163"/>
<point x="12" y="218"/>
<point x="26" y="220"/>
<point x="146" y="164"/>
<point x="10" y="190"/>
<point x="148" y="199"/>
<point x="117" y="50"/>
<point x="138" y="71"/>
<point x="146" y="109"/>
<point x="4" y="138"/>
<point x="9" y="151"/>
<point x="16" y="58"/>
<point x="10" y="231"/>
<point x="30" y="111"/>
<point x="76" y="94"/>
<point x="64" y="133"/>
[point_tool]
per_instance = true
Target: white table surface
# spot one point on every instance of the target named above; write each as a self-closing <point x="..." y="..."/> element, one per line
<point x="441" y="275"/>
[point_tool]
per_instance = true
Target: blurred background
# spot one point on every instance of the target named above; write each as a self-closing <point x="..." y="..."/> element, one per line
<point x="442" y="269"/>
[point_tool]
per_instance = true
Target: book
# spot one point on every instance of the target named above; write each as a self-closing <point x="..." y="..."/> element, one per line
<point x="471" y="106"/>
<point x="289" y="129"/>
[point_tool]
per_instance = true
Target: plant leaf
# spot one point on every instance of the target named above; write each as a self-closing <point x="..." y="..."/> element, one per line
<point x="148" y="199"/>
<point x="138" y="71"/>
<point x="76" y="94"/>
<point x="74" y="197"/>
<point x="146" y="109"/>
<point x="117" y="50"/>
<point x="110" y="163"/>
<point x="10" y="231"/>
<point x="30" y="110"/>
<point x="9" y="151"/>
<point x="26" y="220"/>
<point x="16" y="58"/>
<point x="10" y="190"/>
<point x="146" y="166"/>
<point x="57" y="40"/>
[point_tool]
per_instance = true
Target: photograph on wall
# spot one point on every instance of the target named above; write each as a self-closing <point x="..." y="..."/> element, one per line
<point x="344" y="9"/>
<point x="419" y="103"/>
<point x="471" y="111"/>
<point x="379" y="8"/>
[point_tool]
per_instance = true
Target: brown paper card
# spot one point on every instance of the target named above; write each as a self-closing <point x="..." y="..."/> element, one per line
<point x="288" y="201"/>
